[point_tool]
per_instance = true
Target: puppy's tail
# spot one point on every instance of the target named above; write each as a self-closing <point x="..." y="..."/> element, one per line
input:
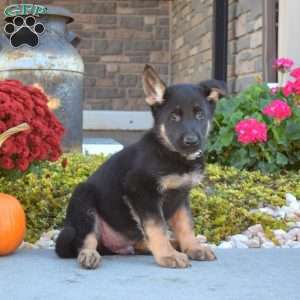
<point x="83" y="198"/>
<point x="64" y="244"/>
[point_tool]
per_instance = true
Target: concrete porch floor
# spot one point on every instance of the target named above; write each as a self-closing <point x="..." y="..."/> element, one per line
<point x="239" y="274"/>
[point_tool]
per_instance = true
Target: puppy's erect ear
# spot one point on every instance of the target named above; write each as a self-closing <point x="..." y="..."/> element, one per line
<point x="154" y="87"/>
<point x="214" y="89"/>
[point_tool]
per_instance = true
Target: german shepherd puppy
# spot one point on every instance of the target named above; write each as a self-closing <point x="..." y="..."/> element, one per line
<point x="125" y="207"/>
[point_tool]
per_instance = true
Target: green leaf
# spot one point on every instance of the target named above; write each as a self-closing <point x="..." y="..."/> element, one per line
<point x="266" y="167"/>
<point x="235" y="117"/>
<point x="240" y="158"/>
<point x="293" y="130"/>
<point x="280" y="135"/>
<point x="226" y="138"/>
<point x="263" y="103"/>
<point x="281" y="159"/>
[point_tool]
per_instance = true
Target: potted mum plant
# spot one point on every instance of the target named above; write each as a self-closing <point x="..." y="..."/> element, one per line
<point x="260" y="127"/>
<point x="29" y="130"/>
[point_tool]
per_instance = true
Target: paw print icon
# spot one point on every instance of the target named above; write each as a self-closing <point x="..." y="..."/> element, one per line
<point x="24" y="31"/>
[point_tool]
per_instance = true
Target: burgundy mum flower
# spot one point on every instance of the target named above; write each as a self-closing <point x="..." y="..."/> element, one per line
<point x="18" y="104"/>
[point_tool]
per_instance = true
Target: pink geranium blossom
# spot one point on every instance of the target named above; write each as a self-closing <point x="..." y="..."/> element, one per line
<point x="274" y="90"/>
<point x="296" y="73"/>
<point x="288" y="89"/>
<point x="283" y="64"/>
<point x="251" y="131"/>
<point x="296" y="87"/>
<point x="278" y="110"/>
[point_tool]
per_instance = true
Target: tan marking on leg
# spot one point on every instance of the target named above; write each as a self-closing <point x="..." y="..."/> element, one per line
<point x="161" y="248"/>
<point x="181" y="224"/>
<point x="175" y="181"/>
<point x="88" y="256"/>
<point x="141" y="247"/>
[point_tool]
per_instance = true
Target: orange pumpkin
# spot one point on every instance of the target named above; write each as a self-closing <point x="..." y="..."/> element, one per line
<point x="12" y="224"/>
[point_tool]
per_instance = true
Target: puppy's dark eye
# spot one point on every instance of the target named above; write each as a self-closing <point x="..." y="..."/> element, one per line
<point x="175" y="117"/>
<point x="199" y="114"/>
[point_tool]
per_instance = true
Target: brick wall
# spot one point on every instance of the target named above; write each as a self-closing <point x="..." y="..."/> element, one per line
<point x="191" y="31"/>
<point x="192" y="41"/>
<point x="118" y="37"/>
<point x="245" y="50"/>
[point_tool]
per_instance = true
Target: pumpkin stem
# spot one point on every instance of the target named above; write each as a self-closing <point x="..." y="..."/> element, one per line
<point x="6" y="134"/>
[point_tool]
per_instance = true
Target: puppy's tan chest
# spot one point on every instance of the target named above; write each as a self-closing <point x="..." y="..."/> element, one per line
<point x="177" y="181"/>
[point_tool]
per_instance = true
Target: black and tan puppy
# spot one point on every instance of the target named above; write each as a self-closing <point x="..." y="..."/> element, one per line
<point x="126" y="206"/>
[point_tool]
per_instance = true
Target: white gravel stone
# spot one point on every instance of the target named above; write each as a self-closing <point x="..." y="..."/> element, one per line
<point x="239" y="241"/>
<point x="212" y="246"/>
<point x="262" y="238"/>
<point x="279" y="213"/>
<point x="293" y="234"/>
<point x="26" y="245"/>
<point x="292" y="202"/>
<point x="240" y="245"/>
<point x="292" y="244"/>
<point x="254" y="242"/>
<point x="45" y="244"/>
<point x="226" y="245"/>
<point x="268" y="244"/>
<point x="201" y="238"/>
<point x="255" y="229"/>
<point x="240" y="238"/>
<point x="279" y="232"/>
<point x="280" y="236"/>
<point x="267" y="210"/>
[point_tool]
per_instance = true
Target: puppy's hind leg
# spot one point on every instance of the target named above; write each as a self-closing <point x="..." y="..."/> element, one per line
<point x="88" y="256"/>
<point x="82" y="217"/>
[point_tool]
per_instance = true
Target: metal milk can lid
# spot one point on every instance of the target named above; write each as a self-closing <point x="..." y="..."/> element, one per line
<point x="53" y="50"/>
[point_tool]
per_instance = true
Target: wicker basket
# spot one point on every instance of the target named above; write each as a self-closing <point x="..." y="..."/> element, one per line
<point x="6" y="134"/>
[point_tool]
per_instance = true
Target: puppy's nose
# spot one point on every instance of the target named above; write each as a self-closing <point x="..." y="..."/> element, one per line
<point x="191" y="140"/>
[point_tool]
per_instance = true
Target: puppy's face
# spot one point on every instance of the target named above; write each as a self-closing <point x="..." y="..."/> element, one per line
<point x="183" y="112"/>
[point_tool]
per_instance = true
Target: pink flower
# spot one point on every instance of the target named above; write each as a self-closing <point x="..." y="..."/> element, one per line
<point x="283" y="64"/>
<point x="251" y="131"/>
<point x="288" y="89"/>
<point x="274" y="90"/>
<point x="278" y="110"/>
<point x="296" y="87"/>
<point x="295" y="73"/>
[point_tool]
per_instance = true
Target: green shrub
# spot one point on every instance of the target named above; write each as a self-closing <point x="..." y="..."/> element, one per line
<point x="220" y="205"/>
<point x="282" y="149"/>
<point x="44" y="190"/>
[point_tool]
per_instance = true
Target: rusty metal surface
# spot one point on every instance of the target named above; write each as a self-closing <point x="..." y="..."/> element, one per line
<point x="56" y="66"/>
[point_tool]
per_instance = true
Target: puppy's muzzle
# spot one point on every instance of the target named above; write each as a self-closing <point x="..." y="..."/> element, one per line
<point x="191" y="140"/>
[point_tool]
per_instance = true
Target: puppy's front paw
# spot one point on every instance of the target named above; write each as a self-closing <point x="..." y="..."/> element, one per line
<point x="200" y="252"/>
<point x="89" y="259"/>
<point x="174" y="260"/>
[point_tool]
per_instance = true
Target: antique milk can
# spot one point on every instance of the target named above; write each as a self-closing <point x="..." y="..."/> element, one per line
<point x="55" y="65"/>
